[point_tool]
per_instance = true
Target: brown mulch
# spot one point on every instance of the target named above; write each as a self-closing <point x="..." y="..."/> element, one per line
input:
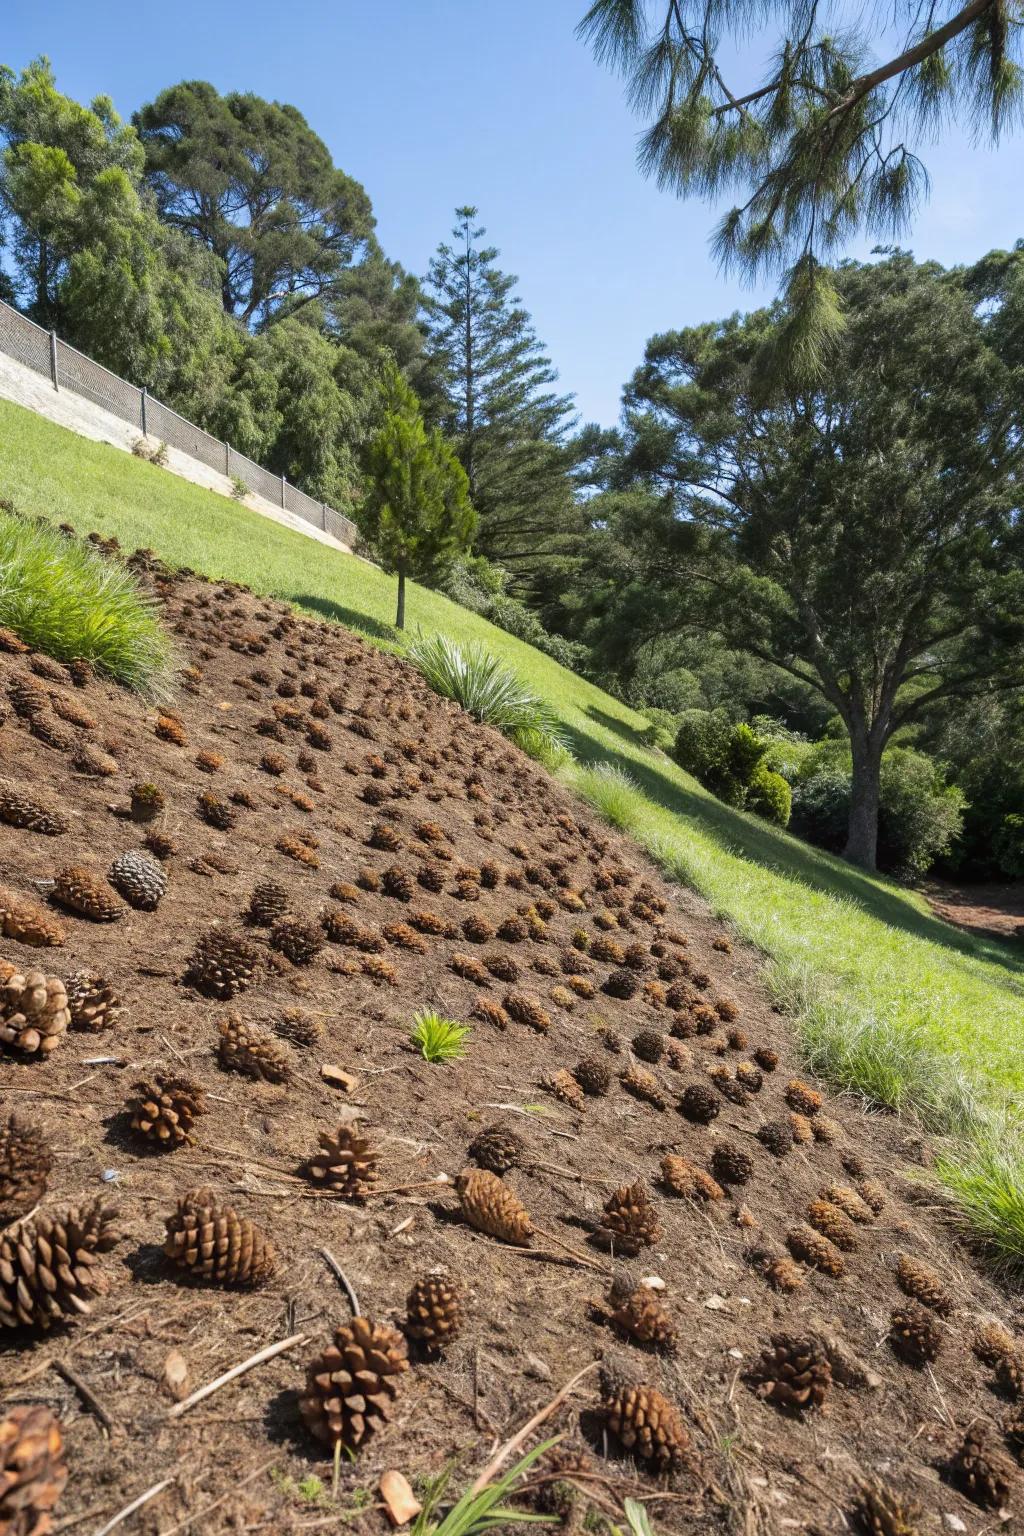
<point x="994" y="910"/>
<point x="356" y="727"/>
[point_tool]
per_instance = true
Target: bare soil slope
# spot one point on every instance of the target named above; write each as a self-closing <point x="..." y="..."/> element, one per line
<point x="454" y="874"/>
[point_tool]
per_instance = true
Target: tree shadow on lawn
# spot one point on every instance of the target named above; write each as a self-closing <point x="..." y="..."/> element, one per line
<point x="337" y="613"/>
<point x="786" y="856"/>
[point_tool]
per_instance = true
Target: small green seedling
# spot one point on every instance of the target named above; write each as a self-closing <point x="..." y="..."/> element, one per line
<point x="439" y="1039"/>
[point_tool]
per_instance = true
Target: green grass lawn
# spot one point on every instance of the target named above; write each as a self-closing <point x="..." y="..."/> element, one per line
<point x="891" y="1001"/>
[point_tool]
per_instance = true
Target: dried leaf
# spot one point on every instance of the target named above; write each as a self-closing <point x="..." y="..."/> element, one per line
<point x="399" y="1500"/>
<point x="176" y="1375"/>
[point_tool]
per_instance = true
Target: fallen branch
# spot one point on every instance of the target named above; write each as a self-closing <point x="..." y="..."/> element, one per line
<point x="342" y="1279"/>
<point x="86" y="1393"/>
<point x="130" y="1509"/>
<point x="512" y="1445"/>
<point x="236" y="1370"/>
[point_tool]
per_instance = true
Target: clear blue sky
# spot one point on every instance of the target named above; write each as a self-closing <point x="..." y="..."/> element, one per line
<point x="433" y="103"/>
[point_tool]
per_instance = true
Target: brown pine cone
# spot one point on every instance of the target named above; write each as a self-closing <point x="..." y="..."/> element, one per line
<point x="643" y="1085"/>
<point x="93" y="1004"/>
<point x="25" y="1163"/>
<point x="700" y="1103"/>
<point x="816" y="1251"/>
<point x="849" y="1202"/>
<point x="527" y="1009"/>
<point x="83" y="892"/>
<point x="345" y="1164"/>
<point x="565" y="1087"/>
<point x="805" y="1100"/>
<point x="981" y="1470"/>
<point x="269" y="900"/>
<point x="794" y="1374"/>
<point x="784" y="1274"/>
<point x="244" y="1048"/>
<point x="299" y="941"/>
<point x="49" y="1267"/>
<point x="18" y="808"/>
<point x="873" y="1195"/>
<point x="142" y="883"/>
<point x="914" y="1333"/>
<point x="490" y="1206"/>
<point x="32" y="1471"/>
<point x="832" y="1223"/>
<point x="731" y="1164"/>
<point x="214" y="1243"/>
<point x="163" y="1110"/>
<point x="777" y="1136"/>
<point x="351" y="1387"/>
<point x="592" y="1075"/>
<point x="27" y="922"/>
<point x="497" y="1148"/>
<point x="644" y="1420"/>
<point x="434" y="1311"/>
<point x="682" y="1178"/>
<point x="33" y="1012"/>
<point x="640" y="1315"/>
<point x="921" y="1282"/>
<point x="991" y="1341"/>
<point x="629" y="1222"/>
<point x="1013" y="1429"/>
<point x="883" y="1512"/>
<point x="223" y="963"/>
<point x="649" y="1045"/>
<point x="298" y="1027"/>
<point x="1009" y="1375"/>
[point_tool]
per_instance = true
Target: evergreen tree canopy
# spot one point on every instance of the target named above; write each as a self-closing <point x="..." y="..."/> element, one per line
<point x="863" y="533"/>
<point x="823" y="146"/>
<point x="416" y="511"/>
<point x="252" y="182"/>
<point x="497" y="401"/>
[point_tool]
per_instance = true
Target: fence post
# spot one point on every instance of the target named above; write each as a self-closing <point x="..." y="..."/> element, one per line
<point x="145" y="424"/>
<point x="227" y="459"/>
<point x="284" y="487"/>
<point x="53" y="359"/>
<point x="323" y="515"/>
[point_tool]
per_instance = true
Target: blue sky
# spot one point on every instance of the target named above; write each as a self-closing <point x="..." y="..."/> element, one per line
<point x="433" y="103"/>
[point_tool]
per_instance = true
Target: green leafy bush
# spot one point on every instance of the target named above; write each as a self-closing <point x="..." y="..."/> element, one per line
<point x="661" y="730"/>
<point x="64" y="597"/>
<point x="729" y="760"/>
<point x="489" y="691"/>
<point x="769" y="795"/>
<point x="702" y="742"/>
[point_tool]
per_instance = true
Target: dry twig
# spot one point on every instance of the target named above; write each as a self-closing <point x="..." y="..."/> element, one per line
<point x="236" y="1370"/>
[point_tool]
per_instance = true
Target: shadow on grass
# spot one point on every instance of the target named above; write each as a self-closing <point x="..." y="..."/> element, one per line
<point x="762" y="844"/>
<point x="337" y="613"/>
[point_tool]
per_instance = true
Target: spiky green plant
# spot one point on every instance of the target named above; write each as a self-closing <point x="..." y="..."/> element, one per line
<point x="490" y="692"/>
<point x="65" y="598"/>
<point x="483" y="1510"/>
<point x="439" y="1039"/>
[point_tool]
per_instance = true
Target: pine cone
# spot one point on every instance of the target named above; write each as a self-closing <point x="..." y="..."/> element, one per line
<point x="640" y="1315"/>
<point x="397" y="883"/>
<point x="33" y="1012"/>
<point x="32" y="1471"/>
<point x="217" y="813"/>
<point x="914" y="1333"/>
<point x="49" y="1267"/>
<point x="784" y="1274"/>
<point x="592" y="1075"/>
<point x="920" y="1281"/>
<point x="27" y="922"/>
<point x="491" y="1207"/>
<point x="814" y="1250"/>
<point x="565" y="1087"/>
<point x="849" y="1202"/>
<point x="214" y="1243"/>
<point x="649" y="1045"/>
<point x="991" y="1342"/>
<point x="873" y="1195"/>
<point x="832" y="1223"/>
<point x="298" y="1027"/>
<point x="497" y="1148"/>
<point x="81" y="891"/>
<point x="700" y="1104"/>
<point x="299" y="941"/>
<point x="434" y="1311"/>
<point x="346" y="1162"/>
<point x="981" y="1470"/>
<point x="223" y="963"/>
<point x="643" y="1085"/>
<point x="164" y="1109"/>
<point x="268" y="901"/>
<point x="731" y="1164"/>
<point x="147" y="801"/>
<point x="801" y="1129"/>
<point x="682" y="1178"/>
<point x="794" y="1374"/>
<point x="351" y="1387"/>
<point x="142" y="883"/>
<point x="244" y="1048"/>
<point x="19" y="809"/>
<point x="527" y="1009"/>
<point x="883" y="1512"/>
<point x="806" y="1101"/>
<point x="93" y="1004"/>
<point x="25" y="1163"/>
<point x="777" y="1136"/>
<point x="644" y="1420"/>
<point x="629" y="1222"/>
<point x="1009" y="1375"/>
<point x="622" y="983"/>
<point x="1013" y="1429"/>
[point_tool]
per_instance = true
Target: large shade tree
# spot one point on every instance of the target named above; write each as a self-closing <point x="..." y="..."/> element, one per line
<point x="861" y="532"/>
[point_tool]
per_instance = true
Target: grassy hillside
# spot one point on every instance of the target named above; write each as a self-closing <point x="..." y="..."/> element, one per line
<point x="891" y="1000"/>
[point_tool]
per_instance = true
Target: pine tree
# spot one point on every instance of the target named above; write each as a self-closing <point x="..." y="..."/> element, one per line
<point x="416" y="512"/>
<point x="497" y="400"/>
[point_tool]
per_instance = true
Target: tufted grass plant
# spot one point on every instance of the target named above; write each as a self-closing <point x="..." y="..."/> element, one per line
<point x="63" y="597"/>
<point x="490" y="692"/>
<point x="439" y="1039"/>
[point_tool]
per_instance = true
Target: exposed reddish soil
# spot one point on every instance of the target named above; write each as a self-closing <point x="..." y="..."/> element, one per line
<point x="996" y="911"/>
<point x="357" y="728"/>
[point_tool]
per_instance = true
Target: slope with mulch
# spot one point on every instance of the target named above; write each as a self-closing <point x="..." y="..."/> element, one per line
<point x="474" y="885"/>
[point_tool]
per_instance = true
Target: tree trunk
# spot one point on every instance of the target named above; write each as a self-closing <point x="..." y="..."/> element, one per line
<point x="400" y="617"/>
<point x="862" y="829"/>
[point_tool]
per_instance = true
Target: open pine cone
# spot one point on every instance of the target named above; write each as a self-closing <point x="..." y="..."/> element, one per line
<point x="33" y="1011"/>
<point x="914" y="1333"/>
<point x="918" y="1280"/>
<point x="630" y="1222"/>
<point x="49" y="1267"/>
<point x="490" y="1206"/>
<point x="28" y="922"/>
<point x="794" y="1374"/>
<point x="644" y="1420"/>
<point x="164" y="1109"/>
<point x="32" y="1470"/>
<point x="245" y="1048"/>
<point x="981" y="1469"/>
<point x="346" y="1162"/>
<point x="142" y="883"/>
<point x="497" y="1148"/>
<point x="351" y="1387"/>
<point x="82" y="891"/>
<point x="214" y="1243"/>
<point x="25" y="1163"/>
<point x="223" y="963"/>
<point x="882" y="1512"/>
<point x="92" y="1002"/>
<point x="640" y="1315"/>
<point x="434" y="1311"/>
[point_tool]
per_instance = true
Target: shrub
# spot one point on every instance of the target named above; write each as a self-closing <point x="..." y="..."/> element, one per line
<point x="702" y="742"/>
<point x="489" y="691"/>
<point x="239" y="489"/>
<point x="769" y="795"/>
<point x="661" y="730"/>
<point x="439" y="1039"/>
<point x="64" y="597"/>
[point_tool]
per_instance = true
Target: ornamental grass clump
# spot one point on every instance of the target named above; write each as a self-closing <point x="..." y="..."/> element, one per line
<point x="490" y="692"/>
<point x="439" y="1039"/>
